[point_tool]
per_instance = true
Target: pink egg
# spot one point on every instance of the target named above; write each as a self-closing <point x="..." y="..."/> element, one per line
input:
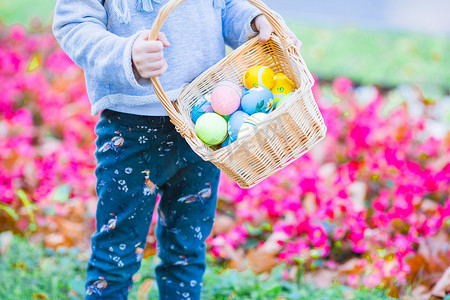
<point x="226" y="98"/>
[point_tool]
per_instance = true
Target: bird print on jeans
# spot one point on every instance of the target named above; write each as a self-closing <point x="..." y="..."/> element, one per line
<point x="97" y="286"/>
<point x="139" y="252"/>
<point x="200" y="196"/>
<point x="115" y="143"/>
<point x="111" y="223"/>
<point x="150" y="187"/>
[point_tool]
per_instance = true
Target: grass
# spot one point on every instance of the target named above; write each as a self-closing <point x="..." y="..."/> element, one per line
<point x="368" y="57"/>
<point x="32" y="272"/>
<point x="374" y="57"/>
<point x="22" y="11"/>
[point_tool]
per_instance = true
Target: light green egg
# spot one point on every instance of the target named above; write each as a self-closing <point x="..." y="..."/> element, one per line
<point x="282" y="99"/>
<point x="211" y="128"/>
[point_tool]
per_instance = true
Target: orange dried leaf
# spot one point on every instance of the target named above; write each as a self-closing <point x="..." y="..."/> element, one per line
<point x="72" y="231"/>
<point x="322" y="278"/>
<point x="222" y="224"/>
<point x="309" y="203"/>
<point x="237" y="258"/>
<point x="5" y="241"/>
<point x="261" y="260"/>
<point x="351" y="266"/>
<point x="418" y="264"/>
<point x="9" y="161"/>
<point x="54" y="240"/>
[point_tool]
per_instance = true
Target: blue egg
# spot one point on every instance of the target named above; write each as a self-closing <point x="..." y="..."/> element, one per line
<point x="227" y="141"/>
<point x="258" y="99"/>
<point x="234" y="124"/>
<point x="244" y="90"/>
<point x="201" y="107"/>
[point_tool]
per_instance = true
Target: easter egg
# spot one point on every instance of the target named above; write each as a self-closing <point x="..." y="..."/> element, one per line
<point x="202" y="106"/>
<point x="226" y="98"/>
<point x="283" y="85"/>
<point x="258" y="99"/>
<point x="282" y="99"/>
<point x="258" y="76"/>
<point x="211" y="128"/>
<point x="250" y="124"/>
<point x="235" y="123"/>
<point x="227" y="142"/>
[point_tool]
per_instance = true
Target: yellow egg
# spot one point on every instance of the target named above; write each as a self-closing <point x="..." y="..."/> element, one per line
<point x="257" y="76"/>
<point x="283" y="86"/>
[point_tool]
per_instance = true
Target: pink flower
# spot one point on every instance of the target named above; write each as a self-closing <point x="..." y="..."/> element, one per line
<point x="382" y="201"/>
<point x="339" y="233"/>
<point x="295" y="249"/>
<point x="360" y="135"/>
<point x="285" y="274"/>
<point x="342" y="86"/>
<point x="17" y="33"/>
<point x="59" y="63"/>
<point x="402" y="245"/>
<point x="373" y="280"/>
<point x="353" y="280"/>
<point x="317" y="236"/>
<point x="316" y="88"/>
<point x="358" y="243"/>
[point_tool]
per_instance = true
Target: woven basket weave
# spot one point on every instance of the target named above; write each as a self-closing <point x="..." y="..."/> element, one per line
<point x="289" y="132"/>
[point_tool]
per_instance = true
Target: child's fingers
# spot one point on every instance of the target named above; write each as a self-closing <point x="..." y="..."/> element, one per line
<point x="292" y="36"/>
<point x="152" y="56"/>
<point x="265" y="30"/>
<point x="142" y="60"/>
<point x="144" y="45"/>
<point x="153" y="47"/>
<point x="144" y="35"/>
<point x="154" y="66"/>
<point x="162" y="37"/>
<point x="151" y="73"/>
<point x="148" y="56"/>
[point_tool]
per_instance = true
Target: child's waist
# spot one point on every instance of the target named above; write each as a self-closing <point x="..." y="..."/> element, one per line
<point x="146" y="105"/>
<point x="135" y="120"/>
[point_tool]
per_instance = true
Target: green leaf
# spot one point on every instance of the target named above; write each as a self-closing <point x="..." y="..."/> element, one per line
<point x="10" y="211"/>
<point x="29" y="208"/>
<point x="62" y="193"/>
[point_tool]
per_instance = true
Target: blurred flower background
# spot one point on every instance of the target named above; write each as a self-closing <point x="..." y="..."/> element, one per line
<point x="365" y="214"/>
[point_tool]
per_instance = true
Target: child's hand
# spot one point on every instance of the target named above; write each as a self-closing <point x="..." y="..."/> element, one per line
<point x="148" y="57"/>
<point x="264" y="28"/>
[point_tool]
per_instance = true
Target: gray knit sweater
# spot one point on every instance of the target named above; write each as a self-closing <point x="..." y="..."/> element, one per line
<point x="98" y="36"/>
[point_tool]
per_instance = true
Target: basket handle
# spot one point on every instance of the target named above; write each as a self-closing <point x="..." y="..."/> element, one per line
<point x="164" y="12"/>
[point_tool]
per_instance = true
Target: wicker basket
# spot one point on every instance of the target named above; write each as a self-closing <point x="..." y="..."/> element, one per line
<point x="289" y="132"/>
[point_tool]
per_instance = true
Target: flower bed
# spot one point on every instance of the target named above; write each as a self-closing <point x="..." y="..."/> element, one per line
<point x="369" y="205"/>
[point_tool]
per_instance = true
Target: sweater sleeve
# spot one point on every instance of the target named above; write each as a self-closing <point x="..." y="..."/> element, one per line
<point x="80" y="29"/>
<point x="236" y="20"/>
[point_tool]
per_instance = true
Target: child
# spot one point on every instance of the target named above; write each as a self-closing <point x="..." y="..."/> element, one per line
<point x="139" y="152"/>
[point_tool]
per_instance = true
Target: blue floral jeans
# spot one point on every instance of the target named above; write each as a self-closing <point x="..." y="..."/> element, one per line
<point x="137" y="158"/>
